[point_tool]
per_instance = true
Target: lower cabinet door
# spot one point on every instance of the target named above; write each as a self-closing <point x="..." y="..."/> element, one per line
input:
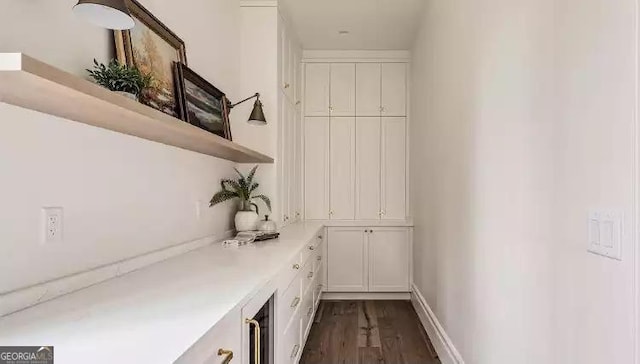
<point x="346" y="260"/>
<point x="389" y="255"/>
<point x="291" y="345"/>
<point x="220" y="345"/>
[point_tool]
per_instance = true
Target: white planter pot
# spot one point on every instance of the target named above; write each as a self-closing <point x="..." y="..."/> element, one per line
<point x="246" y="220"/>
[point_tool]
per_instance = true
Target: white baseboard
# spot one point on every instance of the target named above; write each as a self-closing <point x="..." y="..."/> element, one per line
<point x="365" y="296"/>
<point x="441" y="342"/>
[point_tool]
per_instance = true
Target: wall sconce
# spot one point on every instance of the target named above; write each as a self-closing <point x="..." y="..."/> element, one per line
<point x="110" y="14"/>
<point x="257" y="114"/>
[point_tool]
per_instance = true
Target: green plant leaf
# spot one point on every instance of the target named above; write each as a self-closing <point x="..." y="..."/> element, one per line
<point x="265" y="199"/>
<point x="222" y="196"/>
<point x="251" y="174"/>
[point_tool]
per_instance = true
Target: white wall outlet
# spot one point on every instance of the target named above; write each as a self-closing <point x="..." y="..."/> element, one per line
<point x="52" y="222"/>
<point x="605" y="233"/>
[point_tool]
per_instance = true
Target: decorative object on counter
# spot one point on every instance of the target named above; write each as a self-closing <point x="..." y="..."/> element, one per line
<point x="266" y="225"/>
<point x="243" y="189"/>
<point x="152" y="48"/>
<point x="257" y="114"/>
<point x="125" y="80"/>
<point x="200" y="103"/>
<point x="110" y="14"/>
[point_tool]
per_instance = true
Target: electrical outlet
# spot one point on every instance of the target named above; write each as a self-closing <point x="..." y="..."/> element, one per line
<point x="605" y="233"/>
<point x="52" y="219"/>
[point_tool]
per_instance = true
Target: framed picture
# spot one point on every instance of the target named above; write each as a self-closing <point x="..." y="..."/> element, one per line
<point x="152" y="48"/>
<point x="201" y="103"/>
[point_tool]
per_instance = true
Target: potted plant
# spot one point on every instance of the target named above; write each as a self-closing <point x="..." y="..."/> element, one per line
<point x="243" y="189"/>
<point x="125" y="80"/>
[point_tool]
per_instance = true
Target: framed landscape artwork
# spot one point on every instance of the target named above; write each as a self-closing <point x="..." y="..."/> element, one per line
<point x="200" y="103"/>
<point x="152" y="48"/>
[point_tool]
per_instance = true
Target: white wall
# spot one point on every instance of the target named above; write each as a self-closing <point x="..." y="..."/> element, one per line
<point x="523" y="120"/>
<point x="122" y="196"/>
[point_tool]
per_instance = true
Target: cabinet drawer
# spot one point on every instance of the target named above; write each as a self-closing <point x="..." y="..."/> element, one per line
<point x="223" y="340"/>
<point x="306" y="313"/>
<point x="307" y="274"/>
<point x="289" y="301"/>
<point x="290" y="271"/>
<point x="291" y="345"/>
<point x="317" y="291"/>
<point x="317" y="261"/>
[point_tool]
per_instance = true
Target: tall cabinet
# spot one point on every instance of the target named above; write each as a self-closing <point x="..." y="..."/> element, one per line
<point x="355" y="141"/>
<point x="277" y="76"/>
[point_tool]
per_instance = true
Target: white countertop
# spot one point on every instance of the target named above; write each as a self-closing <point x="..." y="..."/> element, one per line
<point x="155" y="314"/>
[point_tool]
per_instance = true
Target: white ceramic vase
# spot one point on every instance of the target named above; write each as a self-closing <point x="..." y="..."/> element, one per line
<point x="246" y="220"/>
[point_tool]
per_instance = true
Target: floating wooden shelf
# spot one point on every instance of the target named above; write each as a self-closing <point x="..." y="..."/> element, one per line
<point x="29" y="83"/>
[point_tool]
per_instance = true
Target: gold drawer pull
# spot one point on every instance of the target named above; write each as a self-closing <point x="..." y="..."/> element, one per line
<point x="294" y="352"/>
<point x="312" y="247"/>
<point x="295" y="302"/>
<point x="228" y="353"/>
<point x="296" y="266"/>
<point x="287" y="85"/>
<point x="256" y="337"/>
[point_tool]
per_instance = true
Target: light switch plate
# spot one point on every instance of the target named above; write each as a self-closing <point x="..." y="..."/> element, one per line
<point x="605" y="233"/>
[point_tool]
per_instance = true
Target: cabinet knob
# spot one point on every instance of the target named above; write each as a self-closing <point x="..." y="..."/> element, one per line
<point x="312" y="247"/>
<point x="296" y="266"/>
<point x="295" y="302"/>
<point x="286" y="85"/>
<point x="319" y="257"/>
<point x="330" y="108"/>
<point x="228" y="355"/>
<point x="320" y="237"/>
<point x="310" y="275"/>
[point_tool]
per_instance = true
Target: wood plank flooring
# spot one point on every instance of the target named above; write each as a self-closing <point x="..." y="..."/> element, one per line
<point x="368" y="332"/>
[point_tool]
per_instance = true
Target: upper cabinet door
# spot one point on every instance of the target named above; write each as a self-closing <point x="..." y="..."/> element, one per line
<point x="285" y="60"/>
<point x="368" y="89"/>
<point x="316" y="91"/>
<point x="343" y="89"/>
<point x="393" y="168"/>
<point x="342" y="168"/>
<point x="368" y="168"/>
<point x="394" y="89"/>
<point x="316" y="168"/>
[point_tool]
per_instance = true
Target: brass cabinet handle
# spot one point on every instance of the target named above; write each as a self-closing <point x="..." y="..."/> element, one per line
<point x="228" y="353"/>
<point x="310" y="275"/>
<point x="312" y="247"/>
<point x="287" y="85"/>
<point x="294" y="352"/>
<point x="256" y="338"/>
<point x="296" y="266"/>
<point x="295" y="302"/>
<point x="320" y="237"/>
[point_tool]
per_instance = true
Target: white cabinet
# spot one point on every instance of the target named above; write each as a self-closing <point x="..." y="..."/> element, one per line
<point x="368" y="168"/>
<point x="316" y="168"/>
<point x="388" y="259"/>
<point x="342" y="168"/>
<point x="393" y="168"/>
<point x="368" y="89"/>
<point x="361" y="259"/>
<point x="346" y="263"/>
<point x="342" y="93"/>
<point x="222" y="341"/>
<point x="394" y="89"/>
<point x="316" y="95"/>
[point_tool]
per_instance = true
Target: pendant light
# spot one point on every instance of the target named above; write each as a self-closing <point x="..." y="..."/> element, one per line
<point x="110" y="14"/>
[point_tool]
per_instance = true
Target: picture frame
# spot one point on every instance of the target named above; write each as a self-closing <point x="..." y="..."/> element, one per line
<point x="200" y="103"/>
<point x="152" y="47"/>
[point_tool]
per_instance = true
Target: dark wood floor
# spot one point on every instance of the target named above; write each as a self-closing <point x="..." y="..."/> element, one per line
<point x="367" y="332"/>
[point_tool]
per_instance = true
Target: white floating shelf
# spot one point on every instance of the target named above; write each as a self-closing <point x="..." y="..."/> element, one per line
<point x="29" y="83"/>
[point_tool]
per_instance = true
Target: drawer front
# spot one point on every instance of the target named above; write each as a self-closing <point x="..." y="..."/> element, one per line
<point x="289" y="302"/>
<point x="306" y="314"/>
<point x="318" y="260"/>
<point x="290" y="271"/>
<point x="317" y="291"/>
<point x="307" y="251"/>
<point x="291" y="346"/>
<point x="307" y="274"/>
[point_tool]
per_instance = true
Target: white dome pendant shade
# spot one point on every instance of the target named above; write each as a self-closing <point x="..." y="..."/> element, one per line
<point x="110" y="14"/>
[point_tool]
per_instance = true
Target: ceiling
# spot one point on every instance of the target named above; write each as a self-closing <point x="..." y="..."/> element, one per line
<point x="372" y="24"/>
